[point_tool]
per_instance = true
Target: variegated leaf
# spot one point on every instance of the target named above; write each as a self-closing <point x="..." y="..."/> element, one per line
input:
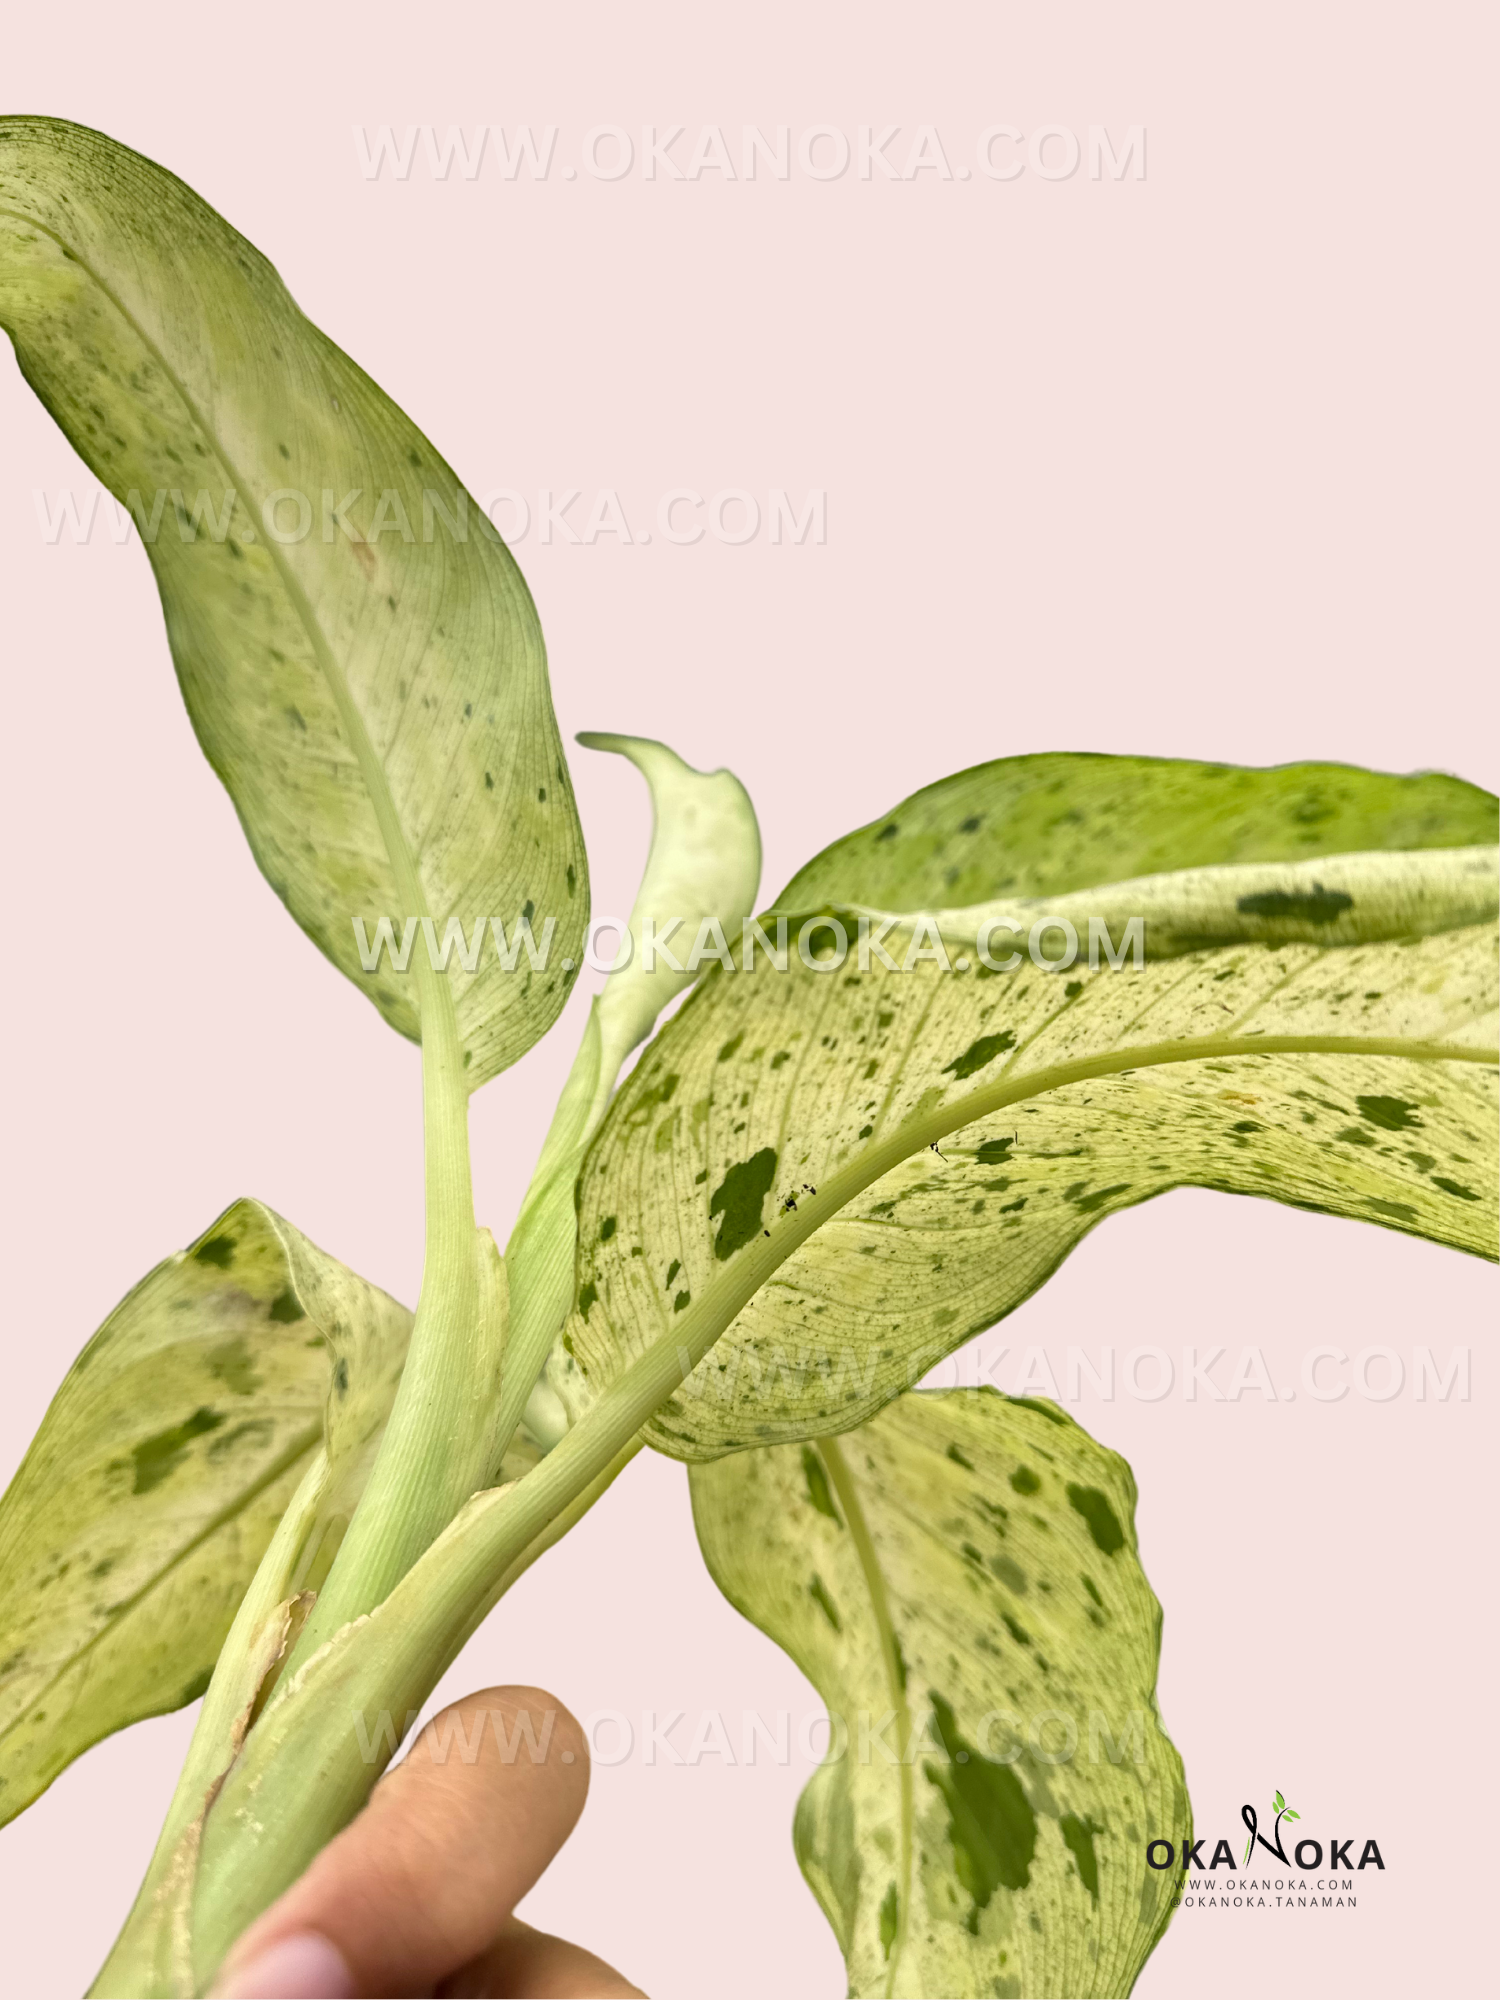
<point x="860" y="1169"/>
<point x="1053" y="824"/>
<point x="156" y="1480"/>
<point x="359" y="654"/>
<point x="960" y="1581"/>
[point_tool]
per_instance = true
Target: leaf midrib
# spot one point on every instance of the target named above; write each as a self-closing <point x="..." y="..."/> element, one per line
<point x="880" y="1609"/>
<point x="710" y="1315"/>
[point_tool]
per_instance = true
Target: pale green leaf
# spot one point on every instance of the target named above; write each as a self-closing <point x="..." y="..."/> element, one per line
<point x="373" y="693"/>
<point x="860" y="1170"/>
<point x="157" y="1478"/>
<point x="703" y="869"/>
<point x="1053" y="824"/>
<point x="959" y="1579"/>
<point x="154" y="1950"/>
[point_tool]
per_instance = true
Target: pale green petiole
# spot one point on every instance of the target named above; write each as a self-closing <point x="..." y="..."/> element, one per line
<point x="436" y="1445"/>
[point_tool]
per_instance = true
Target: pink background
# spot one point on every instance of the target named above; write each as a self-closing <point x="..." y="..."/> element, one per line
<point x="1190" y="465"/>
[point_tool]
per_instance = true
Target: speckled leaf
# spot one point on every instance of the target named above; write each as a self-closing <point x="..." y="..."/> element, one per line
<point x="860" y="1170"/>
<point x="372" y="690"/>
<point x="156" y="1480"/>
<point x="959" y="1579"/>
<point x="1056" y="823"/>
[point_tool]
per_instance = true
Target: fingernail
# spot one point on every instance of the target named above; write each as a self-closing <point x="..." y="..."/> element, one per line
<point x="301" y="1966"/>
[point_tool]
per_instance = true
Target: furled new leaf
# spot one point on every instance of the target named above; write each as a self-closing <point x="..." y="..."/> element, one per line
<point x="855" y="1170"/>
<point x="359" y="654"/>
<point x="960" y="1581"/>
<point x="153" y="1487"/>
<point x="702" y="871"/>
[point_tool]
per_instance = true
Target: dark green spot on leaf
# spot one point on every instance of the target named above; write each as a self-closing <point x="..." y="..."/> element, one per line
<point x="1103" y="1523"/>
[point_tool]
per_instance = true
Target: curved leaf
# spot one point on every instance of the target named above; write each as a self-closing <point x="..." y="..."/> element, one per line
<point x="959" y="1579"/>
<point x="703" y="868"/>
<point x="156" y="1480"/>
<point x="360" y="656"/>
<point x="1056" y="823"/>
<point x="860" y="1170"/>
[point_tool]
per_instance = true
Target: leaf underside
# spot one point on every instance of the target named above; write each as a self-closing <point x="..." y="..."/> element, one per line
<point x="959" y="1576"/>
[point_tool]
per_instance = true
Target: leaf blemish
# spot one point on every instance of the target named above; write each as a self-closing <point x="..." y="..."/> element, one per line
<point x="819" y="1492"/>
<point x="979" y="1054"/>
<point x="817" y="1590"/>
<point x="739" y="1198"/>
<point x="991" y="1824"/>
<point x="1103" y="1523"/>
<point x="1391" y="1114"/>
<point x="156" y="1458"/>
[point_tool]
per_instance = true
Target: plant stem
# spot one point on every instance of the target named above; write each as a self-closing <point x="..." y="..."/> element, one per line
<point x="301" y="1776"/>
<point x="435" y="1450"/>
<point x="542" y="1246"/>
<point x="143" y="1951"/>
<point x="491" y="1538"/>
<point x="303" y="1773"/>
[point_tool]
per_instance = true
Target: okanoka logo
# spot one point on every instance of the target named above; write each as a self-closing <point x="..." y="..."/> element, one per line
<point x="1307" y="1855"/>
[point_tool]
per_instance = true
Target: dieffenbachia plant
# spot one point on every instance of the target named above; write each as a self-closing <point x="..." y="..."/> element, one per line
<point x="268" y="1484"/>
